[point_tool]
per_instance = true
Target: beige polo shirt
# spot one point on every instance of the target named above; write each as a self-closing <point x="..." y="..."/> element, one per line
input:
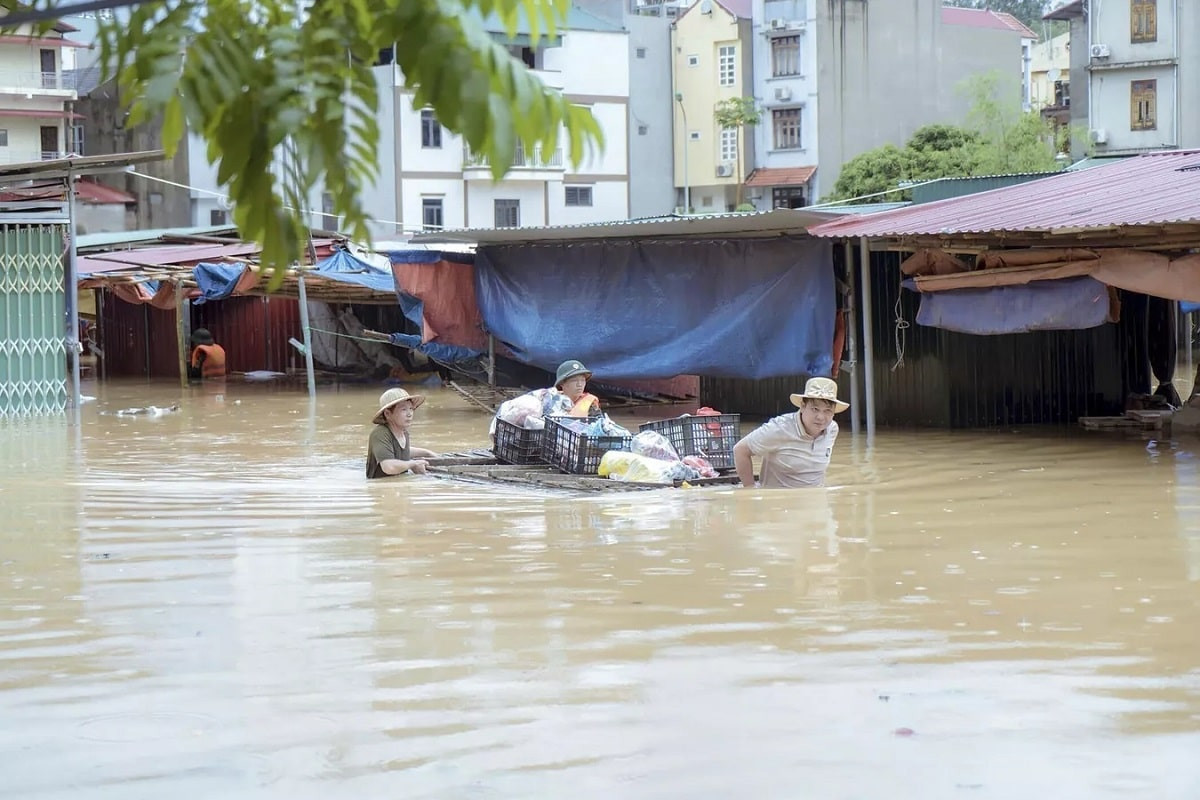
<point x="790" y="457"/>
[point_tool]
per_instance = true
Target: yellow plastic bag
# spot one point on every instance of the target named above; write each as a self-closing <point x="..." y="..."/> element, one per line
<point x="621" y="465"/>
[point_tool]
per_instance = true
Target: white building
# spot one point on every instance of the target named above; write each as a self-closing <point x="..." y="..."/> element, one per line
<point x="438" y="183"/>
<point x="35" y="100"/>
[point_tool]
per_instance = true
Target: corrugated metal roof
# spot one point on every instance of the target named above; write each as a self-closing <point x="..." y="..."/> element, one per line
<point x="762" y="223"/>
<point x="983" y="18"/>
<point x="1157" y="189"/>
<point x="89" y="241"/>
<point x="943" y="188"/>
<point x="780" y="176"/>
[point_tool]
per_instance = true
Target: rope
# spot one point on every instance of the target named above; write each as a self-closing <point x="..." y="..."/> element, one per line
<point x="348" y="336"/>
<point x="901" y="326"/>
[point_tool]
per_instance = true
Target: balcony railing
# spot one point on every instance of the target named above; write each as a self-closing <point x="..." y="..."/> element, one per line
<point x="521" y="159"/>
<point x="27" y="81"/>
<point x="8" y="156"/>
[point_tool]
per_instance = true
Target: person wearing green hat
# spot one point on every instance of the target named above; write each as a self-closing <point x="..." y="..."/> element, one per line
<point x="571" y="379"/>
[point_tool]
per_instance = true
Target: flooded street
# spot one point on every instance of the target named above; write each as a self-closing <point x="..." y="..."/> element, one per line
<point x="215" y="603"/>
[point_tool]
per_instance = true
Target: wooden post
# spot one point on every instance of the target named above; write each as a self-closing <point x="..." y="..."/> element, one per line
<point x="304" y="329"/>
<point x="181" y="331"/>
<point x="868" y="344"/>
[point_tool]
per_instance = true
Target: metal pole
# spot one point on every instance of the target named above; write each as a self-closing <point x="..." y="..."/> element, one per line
<point x="687" y="189"/>
<point x="868" y="341"/>
<point x="852" y="337"/>
<point x="72" y="294"/>
<point x="491" y="360"/>
<point x="304" y="331"/>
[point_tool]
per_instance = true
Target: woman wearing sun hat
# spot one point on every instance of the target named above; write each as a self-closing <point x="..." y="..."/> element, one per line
<point x="389" y="451"/>
<point x="795" y="448"/>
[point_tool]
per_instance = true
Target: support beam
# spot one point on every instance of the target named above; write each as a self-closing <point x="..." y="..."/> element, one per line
<point x="181" y="332"/>
<point x="307" y="334"/>
<point x="852" y="335"/>
<point x="491" y="369"/>
<point x="864" y="251"/>
<point x="72" y="295"/>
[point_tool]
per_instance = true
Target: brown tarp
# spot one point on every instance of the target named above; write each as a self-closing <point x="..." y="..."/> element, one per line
<point x="1133" y="270"/>
<point x="994" y="259"/>
<point x="932" y="262"/>
<point x="138" y="293"/>
<point x="447" y="290"/>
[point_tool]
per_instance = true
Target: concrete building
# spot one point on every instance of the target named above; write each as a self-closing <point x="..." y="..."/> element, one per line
<point x="1130" y="62"/>
<point x="440" y="183"/>
<point x="36" y="96"/>
<point x="712" y="60"/>
<point x="1051" y="73"/>
<point x="837" y="79"/>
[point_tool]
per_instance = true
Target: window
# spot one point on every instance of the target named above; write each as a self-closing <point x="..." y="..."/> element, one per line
<point x="1143" y="102"/>
<point x="640" y="52"/>
<point x="3" y="137"/>
<point x="508" y="213"/>
<point x="785" y="56"/>
<point x="727" y="64"/>
<point x="786" y="124"/>
<point x="643" y="130"/>
<point x="693" y="61"/>
<point x="579" y="195"/>
<point x="431" y="130"/>
<point x="728" y="144"/>
<point x="76" y="143"/>
<point x="386" y="56"/>
<point x="217" y="217"/>
<point x="431" y="214"/>
<point x="787" y="197"/>
<point x="1143" y="21"/>
<point x="694" y="136"/>
<point x="329" y="220"/>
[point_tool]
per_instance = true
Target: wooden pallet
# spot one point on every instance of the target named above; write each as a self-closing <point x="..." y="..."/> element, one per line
<point x="481" y="467"/>
<point x="1135" y="420"/>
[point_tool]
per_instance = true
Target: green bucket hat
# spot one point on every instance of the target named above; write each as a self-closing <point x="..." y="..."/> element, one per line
<point x="568" y="370"/>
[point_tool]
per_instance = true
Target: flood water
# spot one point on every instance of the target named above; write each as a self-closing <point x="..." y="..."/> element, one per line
<point x="216" y="604"/>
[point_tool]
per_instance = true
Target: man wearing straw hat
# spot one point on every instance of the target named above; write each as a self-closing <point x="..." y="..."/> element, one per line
<point x="389" y="451"/>
<point x="795" y="448"/>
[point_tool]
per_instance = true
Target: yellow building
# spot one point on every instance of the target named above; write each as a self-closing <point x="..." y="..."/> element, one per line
<point x="711" y="61"/>
<point x="1050" y="68"/>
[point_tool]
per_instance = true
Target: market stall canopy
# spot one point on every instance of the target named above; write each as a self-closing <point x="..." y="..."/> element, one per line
<point x="1151" y="200"/>
<point x="762" y="224"/>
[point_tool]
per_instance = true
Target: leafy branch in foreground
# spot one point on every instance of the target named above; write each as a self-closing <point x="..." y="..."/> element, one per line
<point x="285" y="98"/>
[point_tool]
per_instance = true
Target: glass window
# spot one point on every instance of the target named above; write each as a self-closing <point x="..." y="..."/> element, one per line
<point x="431" y="130"/>
<point x="727" y="64"/>
<point x="1143" y="21"/>
<point x="786" y="124"/>
<point x="728" y="144"/>
<point x="508" y="213"/>
<point x="431" y="214"/>
<point x="1143" y="102"/>
<point x="579" y="195"/>
<point x="785" y="56"/>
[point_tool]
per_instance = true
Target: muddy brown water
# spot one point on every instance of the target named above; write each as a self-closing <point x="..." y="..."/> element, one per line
<point x="215" y="603"/>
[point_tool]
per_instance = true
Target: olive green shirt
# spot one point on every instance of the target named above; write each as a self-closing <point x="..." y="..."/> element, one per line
<point x="383" y="446"/>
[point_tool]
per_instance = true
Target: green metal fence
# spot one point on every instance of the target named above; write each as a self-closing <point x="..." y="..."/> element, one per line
<point x="32" y="320"/>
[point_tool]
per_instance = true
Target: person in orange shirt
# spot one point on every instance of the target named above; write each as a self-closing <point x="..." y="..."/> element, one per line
<point x="208" y="358"/>
<point x="571" y="380"/>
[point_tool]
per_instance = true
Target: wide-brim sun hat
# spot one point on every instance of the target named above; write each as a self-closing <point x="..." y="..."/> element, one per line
<point x="393" y="396"/>
<point x="568" y="370"/>
<point x="820" y="389"/>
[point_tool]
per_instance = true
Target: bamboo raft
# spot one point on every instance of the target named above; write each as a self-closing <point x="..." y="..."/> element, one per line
<point x="482" y="467"/>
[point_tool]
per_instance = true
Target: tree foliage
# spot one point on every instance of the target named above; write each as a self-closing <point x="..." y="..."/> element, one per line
<point x="998" y="138"/>
<point x="285" y="98"/>
<point x="737" y="113"/>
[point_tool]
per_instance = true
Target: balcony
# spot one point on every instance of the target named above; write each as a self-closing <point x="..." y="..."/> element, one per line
<point x="8" y="156"/>
<point x="532" y="165"/>
<point x="33" y="82"/>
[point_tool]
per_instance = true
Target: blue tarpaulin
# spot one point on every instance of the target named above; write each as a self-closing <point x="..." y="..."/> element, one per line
<point x="737" y="309"/>
<point x="444" y="353"/>
<point x="1187" y="307"/>
<point x="216" y="281"/>
<point x="341" y="266"/>
<point x="428" y="257"/>
<point x="1067" y="304"/>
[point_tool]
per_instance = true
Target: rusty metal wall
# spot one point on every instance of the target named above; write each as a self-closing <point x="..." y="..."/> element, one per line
<point x="254" y="331"/>
<point x="126" y="331"/>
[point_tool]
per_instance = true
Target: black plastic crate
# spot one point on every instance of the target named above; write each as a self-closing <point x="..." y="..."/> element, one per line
<point x="712" y="436"/>
<point x="517" y="445"/>
<point x="574" y="452"/>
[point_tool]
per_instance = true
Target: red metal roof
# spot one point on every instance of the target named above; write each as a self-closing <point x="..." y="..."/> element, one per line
<point x="40" y="41"/>
<point x="86" y="191"/>
<point x="92" y="192"/>
<point x="30" y="112"/>
<point x="780" y="176"/>
<point x="1151" y="189"/>
<point x="982" y="18"/>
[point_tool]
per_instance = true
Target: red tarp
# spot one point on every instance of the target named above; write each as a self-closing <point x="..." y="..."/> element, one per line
<point x="447" y="290"/>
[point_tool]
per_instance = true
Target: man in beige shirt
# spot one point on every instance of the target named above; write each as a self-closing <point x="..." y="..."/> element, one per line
<point x="795" y="448"/>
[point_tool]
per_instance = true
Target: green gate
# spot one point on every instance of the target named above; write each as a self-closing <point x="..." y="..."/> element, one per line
<point x="33" y="362"/>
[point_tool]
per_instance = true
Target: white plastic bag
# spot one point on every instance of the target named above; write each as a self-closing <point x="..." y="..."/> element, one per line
<point x="653" y="444"/>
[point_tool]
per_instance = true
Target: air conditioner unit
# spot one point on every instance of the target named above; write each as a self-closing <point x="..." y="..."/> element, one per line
<point x="1100" y="51"/>
<point x="1099" y="136"/>
<point x="724" y="170"/>
<point x="779" y="24"/>
<point x="783" y="94"/>
<point x="681" y="211"/>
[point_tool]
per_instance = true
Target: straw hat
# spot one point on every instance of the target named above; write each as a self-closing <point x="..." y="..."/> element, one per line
<point x="393" y="396"/>
<point x="568" y="370"/>
<point x="820" y="389"/>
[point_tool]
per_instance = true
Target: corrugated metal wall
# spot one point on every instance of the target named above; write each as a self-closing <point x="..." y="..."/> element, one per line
<point x="254" y="331"/>
<point x="955" y="380"/>
<point x="140" y="340"/>
<point x="957" y="187"/>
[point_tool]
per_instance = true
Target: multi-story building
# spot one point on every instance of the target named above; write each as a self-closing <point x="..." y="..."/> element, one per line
<point x="712" y="61"/>
<point x="1050" y="66"/>
<point x="440" y="183"/>
<point x="833" y="80"/>
<point x="1130" y="61"/>
<point x="36" y="99"/>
